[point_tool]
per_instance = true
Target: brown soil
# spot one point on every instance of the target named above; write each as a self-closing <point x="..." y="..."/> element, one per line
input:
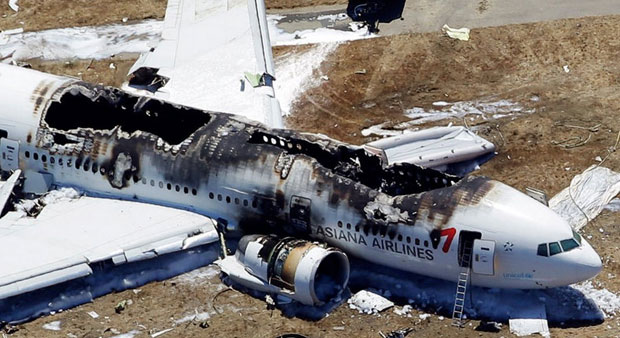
<point x="512" y="62"/>
<point x="37" y="15"/>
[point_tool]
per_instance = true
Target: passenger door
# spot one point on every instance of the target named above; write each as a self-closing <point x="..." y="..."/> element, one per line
<point x="484" y="253"/>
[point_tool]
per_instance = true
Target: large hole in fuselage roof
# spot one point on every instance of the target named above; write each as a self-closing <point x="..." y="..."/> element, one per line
<point x="104" y="108"/>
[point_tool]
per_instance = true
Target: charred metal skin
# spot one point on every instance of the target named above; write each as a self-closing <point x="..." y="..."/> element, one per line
<point x="109" y="143"/>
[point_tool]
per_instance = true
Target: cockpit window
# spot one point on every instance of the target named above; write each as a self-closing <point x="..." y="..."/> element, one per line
<point x="554" y="248"/>
<point x="569" y="244"/>
<point x="542" y="250"/>
<point x="550" y="249"/>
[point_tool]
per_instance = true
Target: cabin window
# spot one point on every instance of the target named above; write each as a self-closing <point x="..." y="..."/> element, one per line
<point x="542" y="250"/>
<point x="219" y="197"/>
<point x="35" y="156"/>
<point x="408" y="239"/>
<point x="177" y="188"/>
<point x="43" y="158"/>
<point x="245" y="203"/>
<point x="227" y="199"/>
<point x="194" y="192"/>
<point x="339" y="224"/>
<point x="426" y="244"/>
<point x="554" y="248"/>
<point x="236" y="200"/>
<point x="52" y="160"/>
<point x="400" y="237"/>
<point x="186" y="190"/>
<point x="211" y="196"/>
<point x="417" y="241"/>
<point x="27" y="154"/>
<point x="349" y="226"/>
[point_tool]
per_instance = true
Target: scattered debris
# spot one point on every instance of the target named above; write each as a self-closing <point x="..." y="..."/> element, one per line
<point x="129" y="334"/>
<point x="338" y="328"/>
<point x="368" y="302"/>
<point x="8" y="328"/>
<point x="125" y="19"/>
<point x="526" y="327"/>
<point x="456" y="33"/>
<point x="588" y="193"/>
<point x="93" y="314"/>
<point x="112" y="65"/>
<point x="361" y="71"/>
<point x="529" y="320"/>
<point x="404" y="311"/>
<point x="52" y="326"/>
<point x="566" y="69"/>
<point x="489" y="326"/>
<point x="122" y="305"/>
<point x="400" y="333"/>
<point x="13" y="5"/>
<point x="162" y="332"/>
<point x="425" y="316"/>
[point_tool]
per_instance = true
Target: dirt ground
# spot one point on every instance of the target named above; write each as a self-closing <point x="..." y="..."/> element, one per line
<point x="37" y="15"/>
<point x="514" y="62"/>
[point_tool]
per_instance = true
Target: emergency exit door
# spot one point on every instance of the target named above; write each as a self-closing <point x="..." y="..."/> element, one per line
<point x="10" y="154"/>
<point x="483" y="257"/>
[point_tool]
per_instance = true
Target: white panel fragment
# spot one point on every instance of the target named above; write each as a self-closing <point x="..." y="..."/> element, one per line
<point x="368" y="302"/>
<point x="13" y="5"/>
<point x="587" y="195"/>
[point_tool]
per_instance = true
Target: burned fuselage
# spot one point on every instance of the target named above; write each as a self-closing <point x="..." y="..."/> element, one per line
<point x="254" y="179"/>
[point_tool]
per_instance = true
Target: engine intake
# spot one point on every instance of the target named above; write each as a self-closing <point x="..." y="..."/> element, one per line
<point x="307" y="272"/>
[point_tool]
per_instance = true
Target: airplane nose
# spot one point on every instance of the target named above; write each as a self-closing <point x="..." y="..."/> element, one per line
<point x="589" y="262"/>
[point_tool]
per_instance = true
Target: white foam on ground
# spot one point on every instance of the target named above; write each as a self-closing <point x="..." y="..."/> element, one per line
<point x="199" y="276"/>
<point x="319" y="35"/>
<point x="83" y="42"/>
<point x="606" y="300"/>
<point x="197" y="316"/>
<point x="295" y="74"/>
<point x="100" y="42"/>
<point x="478" y="109"/>
<point x="52" y="326"/>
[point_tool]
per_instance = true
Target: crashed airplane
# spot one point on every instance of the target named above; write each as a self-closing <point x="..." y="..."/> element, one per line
<point x="299" y="202"/>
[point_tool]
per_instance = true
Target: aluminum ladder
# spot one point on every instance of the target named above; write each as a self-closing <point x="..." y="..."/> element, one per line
<point x="461" y="285"/>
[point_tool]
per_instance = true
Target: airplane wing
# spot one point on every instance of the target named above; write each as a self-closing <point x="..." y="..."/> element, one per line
<point x="70" y="235"/>
<point x="214" y="55"/>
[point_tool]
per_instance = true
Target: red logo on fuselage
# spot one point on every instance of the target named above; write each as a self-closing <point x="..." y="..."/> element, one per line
<point x="450" y="232"/>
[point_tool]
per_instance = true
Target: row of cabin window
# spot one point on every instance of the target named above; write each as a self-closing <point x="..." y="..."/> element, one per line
<point x="177" y="187"/>
<point x="95" y="167"/>
<point x="236" y="200"/>
<point x="399" y="237"/>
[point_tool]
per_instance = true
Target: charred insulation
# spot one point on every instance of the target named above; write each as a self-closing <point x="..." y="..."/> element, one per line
<point x="103" y="108"/>
<point x="360" y="166"/>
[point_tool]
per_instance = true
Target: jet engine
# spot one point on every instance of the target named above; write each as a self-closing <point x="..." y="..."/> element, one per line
<point x="304" y="271"/>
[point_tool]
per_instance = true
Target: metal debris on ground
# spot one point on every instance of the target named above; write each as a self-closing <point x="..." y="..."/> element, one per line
<point x="400" y="333"/>
<point x="122" y="305"/>
<point x="489" y="326"/>
<point x="162" y="332"/>
<point x="456" y="33"/>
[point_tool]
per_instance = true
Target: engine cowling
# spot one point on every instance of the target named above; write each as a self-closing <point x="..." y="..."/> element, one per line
<point x="305" y="271"/>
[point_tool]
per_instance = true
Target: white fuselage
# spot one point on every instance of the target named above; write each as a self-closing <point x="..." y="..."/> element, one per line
<point x="262" y="186"/>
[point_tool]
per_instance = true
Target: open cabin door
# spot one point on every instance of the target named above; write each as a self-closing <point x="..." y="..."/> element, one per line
<point x="483" y="257"/>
